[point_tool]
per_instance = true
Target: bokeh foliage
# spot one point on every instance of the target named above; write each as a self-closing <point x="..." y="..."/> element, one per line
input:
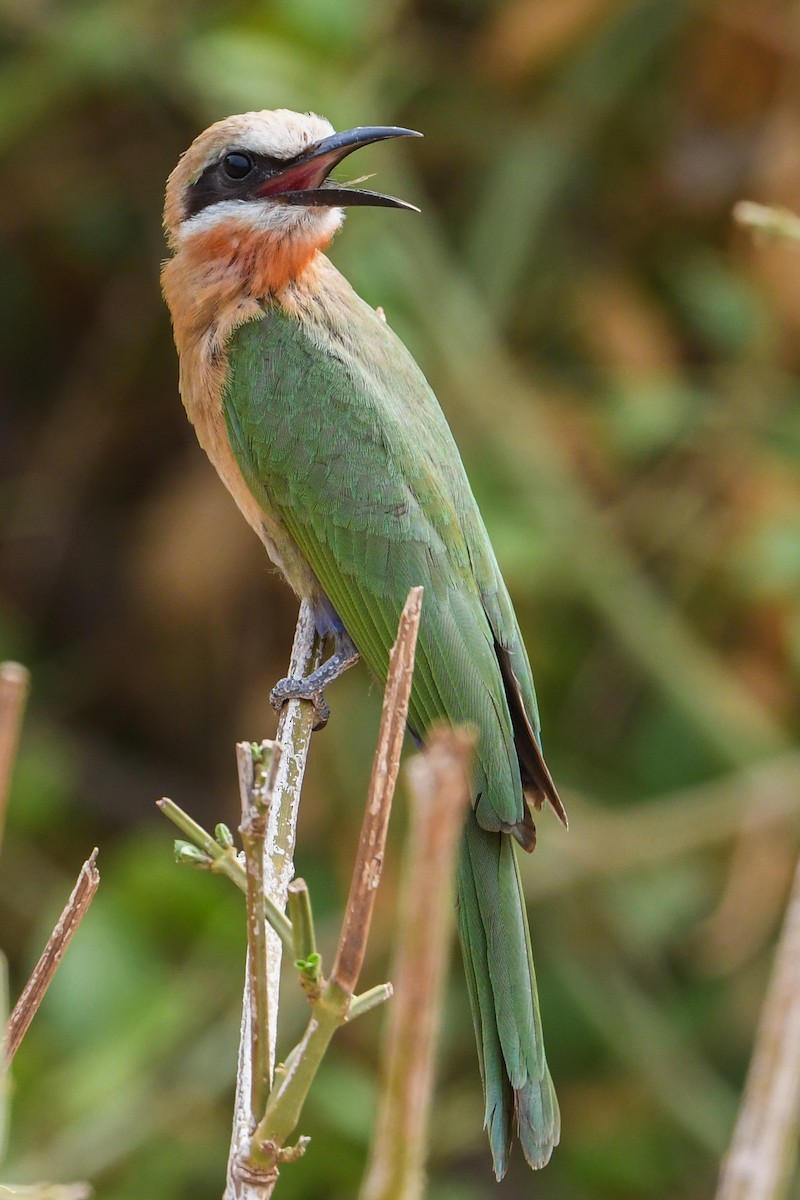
<point x="620" y="368"/>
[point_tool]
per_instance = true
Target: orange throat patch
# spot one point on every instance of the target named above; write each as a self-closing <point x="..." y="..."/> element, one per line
<point x="265" y="262"/>
<point x="217" y="273"/>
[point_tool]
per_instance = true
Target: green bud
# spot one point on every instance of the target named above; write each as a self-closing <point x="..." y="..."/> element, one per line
<point x="191" y="855"/>
<point x="310" y="967"/>
<point x="223" y="835"/>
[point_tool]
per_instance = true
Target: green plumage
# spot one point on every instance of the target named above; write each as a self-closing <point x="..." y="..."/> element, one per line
<point x="345" y="448"/>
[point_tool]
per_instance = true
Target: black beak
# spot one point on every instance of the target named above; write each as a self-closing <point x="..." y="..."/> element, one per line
<point x="303" y="180"/>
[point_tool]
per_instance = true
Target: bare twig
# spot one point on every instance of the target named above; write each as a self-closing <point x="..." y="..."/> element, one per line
<point x="335" y="1003"/>
<point x="14" y="684"/>
<point x="33" y="993"/>
<point x="247" y="1181"/>
<point x="386" y="764"/>
<point x="440" y="794"/>
<point x="763" y="1150"/>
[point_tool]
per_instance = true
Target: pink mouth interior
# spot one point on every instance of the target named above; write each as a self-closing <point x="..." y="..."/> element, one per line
<point x="302" y="176"/>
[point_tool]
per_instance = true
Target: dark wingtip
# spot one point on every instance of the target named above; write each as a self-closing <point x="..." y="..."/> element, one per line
<point x="537" y="781"/>
<point x="537" y="800"/>
<point x="524" y="831"/>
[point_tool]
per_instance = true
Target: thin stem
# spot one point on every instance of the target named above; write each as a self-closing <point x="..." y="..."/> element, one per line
<point x="306" y="956"/>
<point x="440" y="796"/>
<point x="33" y="993"/>
<point x="385" y="767"/>
<point x="372" y="998"/>
<point x="14" y="686"/>
<point x="289" y="1095"/>
<point x="763" y="1150"/>
<point x="333" y="1008"/>
<point x="305" y="942"/>
<point x="223" y="861"/>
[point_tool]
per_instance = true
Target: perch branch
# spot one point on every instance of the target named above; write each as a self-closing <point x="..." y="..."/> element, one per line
<point x="33" y="993"/>
<point x="247" y="1181"/>
<point x="294" y="739"/>
<point x="440" y="796"/>
<point x="763" y="1149"/>
<point x="335" y="1003"/>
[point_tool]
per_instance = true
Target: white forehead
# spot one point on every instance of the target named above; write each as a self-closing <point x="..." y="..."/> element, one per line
<point x="278" y="133"/>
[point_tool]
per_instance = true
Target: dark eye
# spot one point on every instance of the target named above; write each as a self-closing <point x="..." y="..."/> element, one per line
<point x="236" y="165"/>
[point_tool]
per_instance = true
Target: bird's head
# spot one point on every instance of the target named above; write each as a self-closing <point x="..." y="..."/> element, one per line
<point x="269" y="172"/>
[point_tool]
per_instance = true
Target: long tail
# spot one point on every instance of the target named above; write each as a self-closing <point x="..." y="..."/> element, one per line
<point x="505" y="1007"/>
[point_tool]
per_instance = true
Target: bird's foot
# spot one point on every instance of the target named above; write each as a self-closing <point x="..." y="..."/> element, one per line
<point x="301" y="689"/>
<point x="310" y="688"/>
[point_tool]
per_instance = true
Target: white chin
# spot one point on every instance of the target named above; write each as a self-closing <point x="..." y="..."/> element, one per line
<point x="268" y="217"/>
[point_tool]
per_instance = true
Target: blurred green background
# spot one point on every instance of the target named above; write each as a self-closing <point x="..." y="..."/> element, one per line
<point x="619" y="365"/>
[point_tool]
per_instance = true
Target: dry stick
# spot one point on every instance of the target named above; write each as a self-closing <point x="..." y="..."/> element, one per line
<point x="14" y="687"/>
<point x="14" y="684"/>
<point x="293" y="739"/>
<point x="440" y="796"/>
<point x="386" y="764"/>
<point x="763" y="1149"/>
<point x="74" y="912"/>
<point x="336" y="1003"/>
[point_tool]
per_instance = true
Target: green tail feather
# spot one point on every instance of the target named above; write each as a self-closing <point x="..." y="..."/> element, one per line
<point x="519" y="1092"/>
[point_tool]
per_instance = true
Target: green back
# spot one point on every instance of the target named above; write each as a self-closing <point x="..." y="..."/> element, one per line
<point x="352" y="452"/>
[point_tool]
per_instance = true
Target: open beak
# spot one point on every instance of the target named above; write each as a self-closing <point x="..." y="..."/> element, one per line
<point x="304" y="180"/>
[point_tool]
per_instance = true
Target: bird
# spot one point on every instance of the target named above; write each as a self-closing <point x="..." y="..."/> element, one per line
<point x="330" y="440"/>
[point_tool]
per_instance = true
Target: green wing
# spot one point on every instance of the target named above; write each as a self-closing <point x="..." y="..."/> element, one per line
<point x="352" y="453"/>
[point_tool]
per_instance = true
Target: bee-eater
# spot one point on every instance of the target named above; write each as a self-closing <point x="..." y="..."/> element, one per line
<point x="334" y="447"/>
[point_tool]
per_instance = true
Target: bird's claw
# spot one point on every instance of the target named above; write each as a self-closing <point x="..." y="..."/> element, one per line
<point x="297" y="689"/>
<point x="322" y="711"/>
